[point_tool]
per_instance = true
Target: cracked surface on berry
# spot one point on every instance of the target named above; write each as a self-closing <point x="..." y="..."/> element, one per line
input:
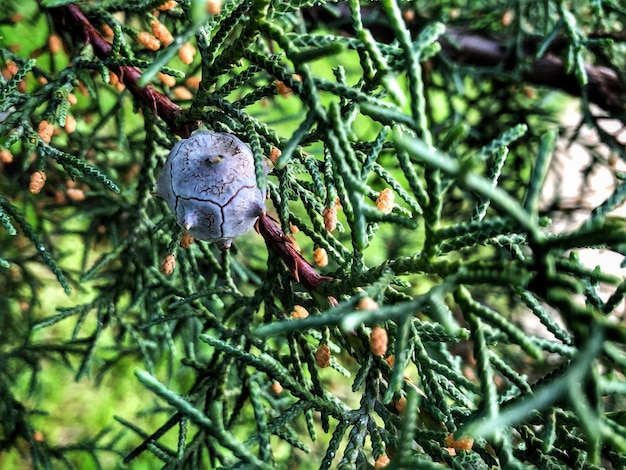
<point x="209" y="184"/>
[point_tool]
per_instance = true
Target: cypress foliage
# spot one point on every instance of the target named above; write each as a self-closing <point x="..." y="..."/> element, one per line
<point x="434" y="314"/>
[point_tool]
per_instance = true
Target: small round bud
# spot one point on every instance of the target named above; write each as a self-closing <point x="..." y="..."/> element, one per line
<point x="463" y="443"/>
<point x="507" y="18"/>
<point x="76" y="194"/>
<point x="167" y="265"/>
<point x="322" y="356"/>
<point x="384" y="203"/>
<point x="37" y="180"/>
<point x="186" y="53"/>
<point x="182" y="93"/>
<point x="293" y="228"/>
<point x="70" y="124"/>
<point x="330" y="218"/>
<point x="400" y="405"/>
<point x="148" y="41"/>
<point x="113" y="78"/>
<point x="382" y="461"/>
<point x="45" y="131"/>
<point x="282" y="88"/>
<point x="71" y="99"/>
<point x="9" y="69"/>
<point x="166" y="79"/>
<point x="367" y="303"/>
<point x="214" y="6"/>
<point x="320" y="257"/>
<point x="193" y="82"/>
<point x="6" y="156"/>
<point x="408" y="15"/>
<point x="274" y="154"/>
<point x="186" y="240"/>
<point x="161" y="32"/>
<point x="277" y="388"/>
<point x="378" y="341"/>
<point x="299" y="312"/>
<point x="168" y="5"/>
<point x="107" y="31"/>
<point x="54" y="44"/>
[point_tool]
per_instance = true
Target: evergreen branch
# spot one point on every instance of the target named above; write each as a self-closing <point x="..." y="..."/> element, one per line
<point x="4" y="217"/>
<point x="265" y="363"/>
<point x="544" y="395"/>
<point x="40" y="246"/>
<point x="212" y="424"/>
<point x="70" y="16"/>
<point x="283" y="246"/>
<point x="74" y="164"/>
<point x="604" y="86"/>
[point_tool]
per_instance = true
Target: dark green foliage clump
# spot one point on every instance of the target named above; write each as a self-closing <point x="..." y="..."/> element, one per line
<point x="454" y="326"/>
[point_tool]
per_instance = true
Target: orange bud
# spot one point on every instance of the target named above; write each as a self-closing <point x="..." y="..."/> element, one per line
<point x="320" y="257"/>
<point x="367" y="303"/>
<point x="107" y="31"/>
<point x="193" y="82"/>
<point x="71" y="99"/>
<point x="274" y="154"/>
<point x="182" y="93"/>
<point x="76" y="194"/>
<point x="148" y="41"/>
<point x="186" y="53"/>
<point x="384" y="203"/>
<point x="214" y="6"/>
<point x="322" y="356"/>
<point x="293" y="228"/>
<point x="277" y="388"/>
<point x="113" y="78"/>
<point x="37" y="180"/>
<point x="6" y="156"/>
<point x="167" y="265"/>
<point x="400" y="405"/>
<point x="54" y="44"/>
<point x="166" y="79"/>
<point x="330" y="218"/>
<point x="161" y="32"/>
<point x="11" y="68"/>
<point x="382" y="461"/>
<point x="168" y="5"/>
<point x="282" y="88"/>
<point x="408" y="15"/>
<point x="299" y="312"/>
<point x="45" y="131"/>
<point x="186" y="240"/>
<point x="70" y="124"/>
<point x="464" y="443"/>
<point x="378" y="341"/>
<point x="507" y="18"/>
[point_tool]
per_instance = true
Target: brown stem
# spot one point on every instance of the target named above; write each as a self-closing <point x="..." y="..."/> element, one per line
<point x="73" y="19"/>
<point x="280" y="244"/>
